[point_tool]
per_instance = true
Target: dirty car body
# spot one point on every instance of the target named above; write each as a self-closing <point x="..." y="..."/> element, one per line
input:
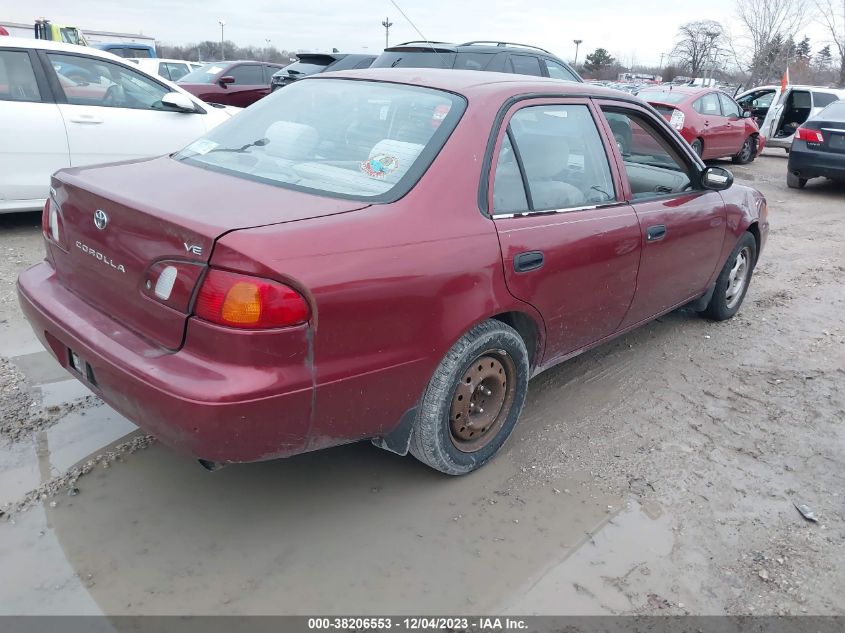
<point x="318" y="270"/>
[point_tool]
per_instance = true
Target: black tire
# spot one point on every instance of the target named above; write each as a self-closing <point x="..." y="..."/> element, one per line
<point x="697" y="147"/>
<point x="793" y="181"/>
<point x="724" y="303"/>
<point x="747" y="153"/>
<point x="433" y="440"/>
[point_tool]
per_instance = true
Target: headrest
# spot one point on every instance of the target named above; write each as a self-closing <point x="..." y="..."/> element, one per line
<point x="543" y="156"/>
<point x="292" y="141"/>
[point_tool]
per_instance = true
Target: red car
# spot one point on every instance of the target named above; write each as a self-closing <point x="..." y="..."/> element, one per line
<point x="711" y="122"/>
<point x="230" y="83"/>
<point x="380" y="254"/>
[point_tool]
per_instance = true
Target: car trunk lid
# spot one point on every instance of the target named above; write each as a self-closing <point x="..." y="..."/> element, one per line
<point x="155" y="213"/>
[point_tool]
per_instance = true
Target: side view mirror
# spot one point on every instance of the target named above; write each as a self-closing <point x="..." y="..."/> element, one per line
<point x="179" y="102"/>
<point x="716" y="178"/>
<point x="746" y="114"/>
<point x="226" y="80"/>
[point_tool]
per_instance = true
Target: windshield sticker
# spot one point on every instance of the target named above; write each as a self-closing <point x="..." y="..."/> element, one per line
<point x="380" y="165"/>
<point x="202" y="146"/>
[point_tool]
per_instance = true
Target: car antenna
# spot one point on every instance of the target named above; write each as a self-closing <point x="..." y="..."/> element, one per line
<point x="425" y="39"/>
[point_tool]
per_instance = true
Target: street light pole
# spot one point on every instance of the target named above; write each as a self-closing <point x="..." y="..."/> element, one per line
<point x="267" y="50"/>
<point x="222" y="23"/>
<point x="577" y="44"/>
<point x="387" y="24"/>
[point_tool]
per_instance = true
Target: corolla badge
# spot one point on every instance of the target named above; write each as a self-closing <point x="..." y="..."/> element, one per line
<point x="100" y="219"/>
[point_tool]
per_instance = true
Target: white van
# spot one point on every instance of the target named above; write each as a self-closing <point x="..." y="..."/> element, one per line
<point x="172" y="69"/>
<point x="779" y="114"/>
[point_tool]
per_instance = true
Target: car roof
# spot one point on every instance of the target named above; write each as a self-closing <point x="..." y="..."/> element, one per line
<point x="149" y="60"/>
<point x="482" y="46"/>
<point x="49" y="45"/>
<point x="466" y="82"/>
<point x="690" y="91"/>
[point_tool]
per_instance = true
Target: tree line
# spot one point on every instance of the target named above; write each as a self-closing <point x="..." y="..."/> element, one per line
<point x="212" y="51"/>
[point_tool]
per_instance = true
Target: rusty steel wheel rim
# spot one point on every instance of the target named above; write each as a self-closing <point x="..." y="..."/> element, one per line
<point x="482" y="401"/>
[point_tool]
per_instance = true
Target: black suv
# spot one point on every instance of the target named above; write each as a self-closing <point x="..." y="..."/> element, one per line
<point x="504" y="57"/>
<point x="313" y="63"/>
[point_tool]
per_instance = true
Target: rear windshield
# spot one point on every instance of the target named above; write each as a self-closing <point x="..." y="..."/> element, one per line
<point x="302" y="68"/>
<point x="352" y="139"/>
<point x="834" y="112"/>
<point x="414" y="59"/>
<point x="206" y="74"/>
<point x="663" y="96"/>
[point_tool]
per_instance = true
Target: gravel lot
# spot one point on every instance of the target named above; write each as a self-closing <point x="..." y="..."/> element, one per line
<point x="656" y="474"/>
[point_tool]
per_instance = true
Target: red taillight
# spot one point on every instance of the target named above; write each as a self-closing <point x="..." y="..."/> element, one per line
<point x="811" y="136"/>
<point x="51" y="223"/>
<point x="248" y="302"/>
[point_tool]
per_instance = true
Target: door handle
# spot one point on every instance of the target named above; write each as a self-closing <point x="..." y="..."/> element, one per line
<point x="655" y="233"/>
<point x="86" y="118"/>
<point x="532" y="260"/>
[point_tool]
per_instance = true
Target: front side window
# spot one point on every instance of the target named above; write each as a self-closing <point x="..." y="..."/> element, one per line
<point x="97" y="82"/>
<point x="556" y="71"/>
<point x="708" y="105"/>
<point x="247" y="75"/>
<point x="559" y="154"/>
<point x="729" y="106"/>
<point x="205" y="74"/>
<point x="526" y="65"/>
<point x="653" y="165"/>
<point x="17" y="80"/>
<point x="355" y="139"/>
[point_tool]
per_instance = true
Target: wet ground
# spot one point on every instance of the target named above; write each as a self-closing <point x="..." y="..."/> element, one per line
<point x="656" y="474"/>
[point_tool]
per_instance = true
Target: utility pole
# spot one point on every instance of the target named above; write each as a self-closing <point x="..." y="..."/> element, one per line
<point x="222" y="23"/>
<point x="660" y="69"/>
<point x="267" y="51"/>
<point x="577" y="44"/>
<point x="387" y="24"/>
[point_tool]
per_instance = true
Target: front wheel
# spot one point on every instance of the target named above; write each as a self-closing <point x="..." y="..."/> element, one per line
<point x="473" y="400"/>
<point x="746" y="153"/>
<point x="793" y="181"/>
<point x="733" y="281"/>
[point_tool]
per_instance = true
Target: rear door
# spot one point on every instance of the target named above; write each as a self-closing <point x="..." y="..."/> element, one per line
<point x="716" y="129"/>
<point x="682" y="226"/>
<point x="33" y="142"/>
<point x="735" y="136"/>
<point x="117" y="114"/>
<point x="570" y="246"/>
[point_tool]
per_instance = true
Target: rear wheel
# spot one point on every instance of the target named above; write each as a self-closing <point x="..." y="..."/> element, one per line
<point x="747" y="152"/>
<point x="733" y="281"/>
<point x="473" y="400"/>
<point x="793" y="181"/>
<point x="697" y="146"/>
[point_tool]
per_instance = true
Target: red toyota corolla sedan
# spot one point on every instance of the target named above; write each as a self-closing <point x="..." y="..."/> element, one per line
<point x="711" y="122"/>
<point x="380" y="254"/>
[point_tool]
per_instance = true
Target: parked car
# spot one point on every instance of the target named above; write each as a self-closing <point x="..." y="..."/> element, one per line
<point x="104" y="109"/>
<point x="522" y="59"/>
<point x="711" y="122"/>
<point x="128" y="49"/>
<point x="172" y="69"/>
<point x="380" y="254"/>
<point x="232" y="83"/>
<point x="313" y="63"/>
<point x="818" y="148"/>
<point x="783" y="112"/>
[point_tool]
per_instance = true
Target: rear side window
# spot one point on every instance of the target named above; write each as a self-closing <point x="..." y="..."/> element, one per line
<point x="353" y="139"/>
<point x="558" y="151"/>
<point x="708" y="105"/>
<point x="17" y="80"/>
<point x="557" y="71"/>
<point x="821" y="99"/>
<point x="247" y="75"/>
<point x="473" y="61"/>
<point x="526" y="65"/>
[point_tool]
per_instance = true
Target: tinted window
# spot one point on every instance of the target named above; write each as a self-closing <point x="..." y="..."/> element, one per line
<point x="653" y="165"/>
<point x="96" y="82"/>
<point x="414" y="59"/>
<point x="473" y="61"/>
<point x="556" y="71"/>
<point x="562" y="156"/>
<point x="729" y="106"/>
<point x="357" y="139"/>
<point x="312" y="66"/>
<point x="247" y="74"/>
<point x="833" y="112"/>
<point x="17" y="80"/>
<point x="365" y="63"/>
<point x="708" y="105"/>
<point x="526" y="65"/>
<point x="821" y="99"/>
<point x="122" y="51"/>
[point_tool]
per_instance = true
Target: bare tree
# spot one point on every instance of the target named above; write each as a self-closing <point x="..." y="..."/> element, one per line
<point x="768" y="26"/>
<point x="833" y="17"/>
<point x="696" y="44"/>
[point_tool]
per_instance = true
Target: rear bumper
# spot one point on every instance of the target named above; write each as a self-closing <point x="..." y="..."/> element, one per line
<point x="191" y="400"/>
<point x="809" y="163"/>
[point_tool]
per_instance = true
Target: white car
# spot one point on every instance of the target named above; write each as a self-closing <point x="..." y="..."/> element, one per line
<point x="780" y="113"/>
<point x="64" y="106"/>
<point x="172" y="69"/>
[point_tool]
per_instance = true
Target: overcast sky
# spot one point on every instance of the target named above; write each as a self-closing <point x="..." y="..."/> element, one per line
<point x="643" y="29"/>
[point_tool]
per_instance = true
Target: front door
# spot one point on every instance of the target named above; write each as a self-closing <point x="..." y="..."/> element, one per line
<point x="682" y="226"/>
<point x="249" y="85"/>
<point x="570" y="246"/>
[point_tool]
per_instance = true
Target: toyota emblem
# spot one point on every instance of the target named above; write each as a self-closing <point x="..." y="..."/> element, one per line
<point x="100" y="219"/>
